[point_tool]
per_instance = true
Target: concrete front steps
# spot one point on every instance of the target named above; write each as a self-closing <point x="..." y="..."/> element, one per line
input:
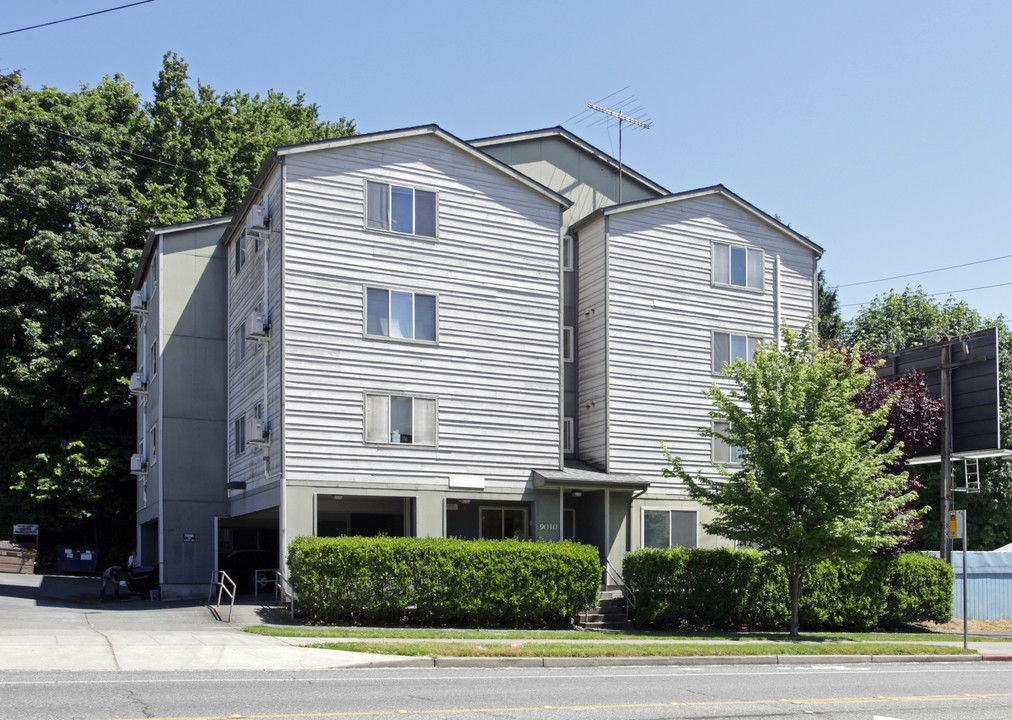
<point x="608" y="615"/>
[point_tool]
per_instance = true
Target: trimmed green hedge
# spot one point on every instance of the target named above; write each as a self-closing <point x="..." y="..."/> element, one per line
<point x="443" y="582"/>
<point x="696" y="588"/>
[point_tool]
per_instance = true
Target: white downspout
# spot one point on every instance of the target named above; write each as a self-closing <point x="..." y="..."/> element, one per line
<point x="776" y="300"/>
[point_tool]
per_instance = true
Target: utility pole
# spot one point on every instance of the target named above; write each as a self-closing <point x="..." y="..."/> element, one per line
<point x="621" y="119"/>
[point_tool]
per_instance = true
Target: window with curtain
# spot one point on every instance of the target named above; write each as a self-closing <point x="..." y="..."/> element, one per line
<point x="738" y="266"/>
<point x="400" y="314"/>
<point x="400" y="209"/>
<point x="400" y="419"/>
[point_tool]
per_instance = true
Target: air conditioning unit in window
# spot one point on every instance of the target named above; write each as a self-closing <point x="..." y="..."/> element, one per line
<point x="138" y="303"/>
<point x="257" y="434"/>
<point x="138" y="464"/>
<point x="257" y="328"/>
<point x="258" y="223"/>
<point x="138" y="385"/>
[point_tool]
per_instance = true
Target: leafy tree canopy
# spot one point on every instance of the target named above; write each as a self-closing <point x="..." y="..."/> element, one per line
<point x="830" y="321"/>
<point x="812" y="483"/>
<point x="82" y="176"/>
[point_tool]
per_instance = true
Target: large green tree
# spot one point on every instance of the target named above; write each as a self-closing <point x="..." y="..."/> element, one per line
<point x="898" y="320"/>
<point x="813" y="481"/>
<point x="830" y="321"/>
<point x="83" y="174"/>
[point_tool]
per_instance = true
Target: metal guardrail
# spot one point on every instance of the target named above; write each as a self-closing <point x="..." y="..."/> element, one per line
<point x="226" y="586"/>
<point x="630" y="597"/>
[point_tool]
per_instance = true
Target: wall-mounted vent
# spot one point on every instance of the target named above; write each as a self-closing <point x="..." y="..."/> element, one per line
<point x="138" y="302"/>
<point x="138" y="385"/>
<point x="257" y="328"/>
<point x="258" y="223"/>
<point x="257" y="434"/>
<point x="138" y="464"/>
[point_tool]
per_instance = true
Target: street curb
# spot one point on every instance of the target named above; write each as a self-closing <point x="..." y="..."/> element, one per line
<point x="996" y="658"/>
<point x="669" y="660"/>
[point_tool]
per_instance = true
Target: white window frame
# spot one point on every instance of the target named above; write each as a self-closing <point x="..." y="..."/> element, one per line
<point x="153" y="358"/>
<point x="568" y="439"/>
<point x="718" y="447"/>
<point x="240" y="252"/>
<point x="239" y="426"/>
<point x="387" y="435"/>
<point x="153" y="433"/>
<point x="667" y="510"/>
<point x="414" y="315"/>
<point x="506" y="508"/>
<point x="568" y="343"/>
<point x="240" y="342"/>
<point x="752" y="283"/>
<point x="568" y="254"/>
<point x="387" y="223"/>
<point x="751" y="343"/>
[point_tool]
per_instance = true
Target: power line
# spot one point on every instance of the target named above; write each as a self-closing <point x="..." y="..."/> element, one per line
<point x="76" y="17"/>
<point x="924" y="272"/>
<point x="948" y="292"/>
<point x="127" y="152"/>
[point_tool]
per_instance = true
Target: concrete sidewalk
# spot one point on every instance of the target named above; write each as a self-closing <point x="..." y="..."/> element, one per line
<point x="52" y="623"/>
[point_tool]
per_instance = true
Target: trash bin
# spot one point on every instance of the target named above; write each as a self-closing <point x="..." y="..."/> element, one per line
<point x="76" y="560"/>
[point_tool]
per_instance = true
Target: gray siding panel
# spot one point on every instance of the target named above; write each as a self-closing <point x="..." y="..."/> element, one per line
<point x="592" y="346"/>
<point x="662" y="311"/>
<point x="494" y="267"/>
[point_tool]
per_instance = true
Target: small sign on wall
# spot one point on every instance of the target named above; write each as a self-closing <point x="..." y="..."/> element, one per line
<point x="189" y="537"/>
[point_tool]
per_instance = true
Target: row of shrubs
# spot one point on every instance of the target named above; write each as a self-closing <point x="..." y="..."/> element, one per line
<point x="697" y="588"/>
<point x="443" y="581"/>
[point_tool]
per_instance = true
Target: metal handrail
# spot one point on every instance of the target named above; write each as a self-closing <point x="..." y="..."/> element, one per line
<point x="219" y="580"/>
<point x="283" y="589"/>
<point x="627" y="592"/>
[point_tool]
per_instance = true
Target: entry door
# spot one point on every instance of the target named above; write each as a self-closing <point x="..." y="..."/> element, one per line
<point x="569" y="525"/>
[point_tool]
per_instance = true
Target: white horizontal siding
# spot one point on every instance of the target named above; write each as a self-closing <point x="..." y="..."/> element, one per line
<point x="592" y="346"/>
<point x="495" y="269"/>
<point x="662" y="311"/>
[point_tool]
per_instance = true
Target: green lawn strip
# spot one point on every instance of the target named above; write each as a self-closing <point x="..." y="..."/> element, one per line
<point x="459" y="634"/>
<point x="442" y="649"/>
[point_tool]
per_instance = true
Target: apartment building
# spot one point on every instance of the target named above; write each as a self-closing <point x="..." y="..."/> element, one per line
<point x="409" y="334"/>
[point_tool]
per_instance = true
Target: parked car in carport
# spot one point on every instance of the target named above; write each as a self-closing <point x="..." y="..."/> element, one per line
<point x="241" y="566"/>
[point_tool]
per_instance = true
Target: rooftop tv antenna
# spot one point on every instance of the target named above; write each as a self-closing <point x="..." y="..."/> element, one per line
<point x="621" y="119"/>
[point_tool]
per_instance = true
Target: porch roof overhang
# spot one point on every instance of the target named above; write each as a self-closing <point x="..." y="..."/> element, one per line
<point x="571" y="477"/>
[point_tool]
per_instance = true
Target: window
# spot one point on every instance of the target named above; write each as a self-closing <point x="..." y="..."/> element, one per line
<point x="728" y="347"/>
<point x="240" y="252"/>
<point x="397" y="314"/>
<point x="722" y="452"/>
<point x="154" y="444"/>
<point x="240" y="342"/>
<point x="567" y="252"/>
<point x="503" y="523"/>
<point x="669" y="528"/>
<point x="738" y="266"/>
<point x="567" y="435"/>
<point x="399" y="419"/>
<point x="153" y="359"/>
<point x="400" y="209"/>
<point x="568" y="349"/>
<point x="258" y="411"/>
<point x="240" y="435"/>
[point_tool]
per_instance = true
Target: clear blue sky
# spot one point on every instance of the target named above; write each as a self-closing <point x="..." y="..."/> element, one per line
<point x="881" y="130"/>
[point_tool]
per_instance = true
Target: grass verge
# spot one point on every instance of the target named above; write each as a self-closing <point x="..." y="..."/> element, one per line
<point x="460" y="634"/>
<point x="545" y="649"/>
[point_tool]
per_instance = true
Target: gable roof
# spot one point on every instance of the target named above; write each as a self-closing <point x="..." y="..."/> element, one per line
<point x="584" y="146"/>
<point x="702" y="192"/>
<point x="274" y="157"/>
<point x="149" y="243"/>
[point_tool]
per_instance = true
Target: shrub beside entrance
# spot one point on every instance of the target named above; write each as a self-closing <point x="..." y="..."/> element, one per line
<point x="435" y="581"/>
<point x="731" y="589"/>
